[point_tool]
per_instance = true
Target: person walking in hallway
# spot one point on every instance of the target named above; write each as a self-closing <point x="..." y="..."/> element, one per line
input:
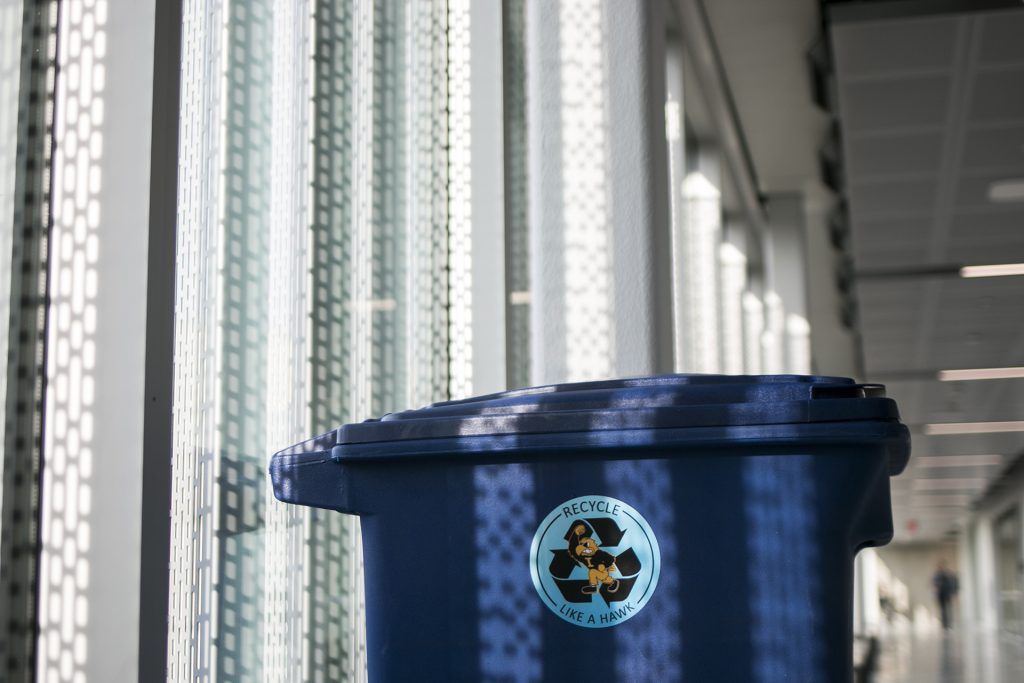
<point x="945" y="584"/>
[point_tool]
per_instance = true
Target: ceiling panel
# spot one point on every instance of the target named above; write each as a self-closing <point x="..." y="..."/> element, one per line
<point x="932" y="113"/>
<point x="998" y="96"/>
<point x="886" y="104"/>
<point x="987" y="237"/>
<point x="898" y="295"/>
<point x="885" y="242"/>
<point x="999" y="147"/>
<point x="1002" y="40"/>
<point x="873" y="48"/>
<point x="875" y="198"/>
<point x="961" y="352"/>
<point x="887" y="155"/>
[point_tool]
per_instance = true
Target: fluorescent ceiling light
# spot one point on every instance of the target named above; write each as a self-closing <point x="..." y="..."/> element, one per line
<point x="973" y="428"/>
<point x="951" y="483"/>
<point x="980" y="373"/>
<point x="1009" y="190"/>
<point x="993" y="270"/>
<point x="957" y="460"/>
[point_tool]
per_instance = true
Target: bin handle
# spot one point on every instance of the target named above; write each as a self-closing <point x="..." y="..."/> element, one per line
<point x="313" y="479"/>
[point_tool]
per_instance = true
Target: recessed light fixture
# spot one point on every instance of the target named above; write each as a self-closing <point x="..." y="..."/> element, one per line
<point x="1008" y="190"/>
<point x="979" y="373"/>
<point x="993" y="270"/>
<point x="944" y="428"/>
<point x="923" y="461"/>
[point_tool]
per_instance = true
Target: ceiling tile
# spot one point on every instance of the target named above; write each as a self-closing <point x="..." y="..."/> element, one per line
<point x="879" y="47"/>
<point x="892" y="196"/>
<point x="911" y="153"/>
<point x="999" y="147"/>
<point x="987" y="237"/>
<point x="880" y="105"/>
<point x="1003" y="37"/>
<point x="887" y="243"/>
<point x="998" y="96"/>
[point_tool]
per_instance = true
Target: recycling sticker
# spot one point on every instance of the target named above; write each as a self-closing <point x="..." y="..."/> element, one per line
<point x="595" y="561"/>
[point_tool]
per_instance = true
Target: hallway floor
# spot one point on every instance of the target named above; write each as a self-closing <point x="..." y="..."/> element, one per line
<point x="950" y="658"/>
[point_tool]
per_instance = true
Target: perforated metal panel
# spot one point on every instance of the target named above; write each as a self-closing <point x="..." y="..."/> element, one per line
<point x="460" y="199"/>
<point x="312" y="291"/>
<point x="517" y="210"/>
<point x="428" y="338"/>
<point x="286" y="608"/>
<point x="11" y="16"/>
<point x="241" y="292"/>
<point x="586" y="177"/>
<point x="197" y="334"/>
<point x="384" y="286"/>
<point x="67" y="482"/>
<point x="332" y="566"/>
<point x="33" y="77"/>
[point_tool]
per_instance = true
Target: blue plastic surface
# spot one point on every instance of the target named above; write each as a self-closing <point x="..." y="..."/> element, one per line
<point x="759" y="491"/>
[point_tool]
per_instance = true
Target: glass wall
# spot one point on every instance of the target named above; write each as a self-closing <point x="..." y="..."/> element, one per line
<point x="312" y="291"/>
<point x="380" y="204"/>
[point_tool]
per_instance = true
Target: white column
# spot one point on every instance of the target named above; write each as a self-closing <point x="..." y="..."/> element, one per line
<point x="753" y="331"/>
<point x="867" y="610"/>
<point x="476" y="198"/>
<point x="986" y="589"/>
<point x="597" y="171"/>
<point x="675" y="131"/>
<point x="91" y="494"/>
<point x="787" y="279"/>
<point x="773" y="339"/>
<point x="965" y="565"/>
<point x="488" y="180"/>
<point x="701" y="303"/>
<point x="640" y="204"/>
<point x="732" y="260"/>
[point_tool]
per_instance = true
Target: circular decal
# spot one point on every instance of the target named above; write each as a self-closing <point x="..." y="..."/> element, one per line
<point x="595" y="561"/>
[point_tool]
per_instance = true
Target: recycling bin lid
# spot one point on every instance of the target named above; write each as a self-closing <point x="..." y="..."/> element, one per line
<point x="639" y="411"/>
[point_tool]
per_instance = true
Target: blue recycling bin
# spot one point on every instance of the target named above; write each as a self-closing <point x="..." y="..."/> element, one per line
<point x="695" y="527"/>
